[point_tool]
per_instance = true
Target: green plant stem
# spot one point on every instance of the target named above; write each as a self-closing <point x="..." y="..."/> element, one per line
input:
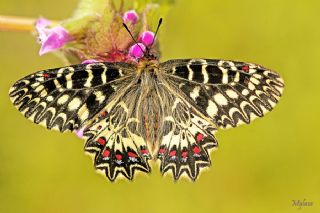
<point x="16" y="24"/>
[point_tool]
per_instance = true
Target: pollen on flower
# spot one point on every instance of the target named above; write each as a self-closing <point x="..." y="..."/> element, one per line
<point x="51" y="38"/>
<point x="137" y="50"/>
<point x="130" y="16"/>
<point x="147" y="38"/>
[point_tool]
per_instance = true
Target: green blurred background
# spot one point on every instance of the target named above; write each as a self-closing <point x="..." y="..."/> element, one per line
<point x="260" y="167"/>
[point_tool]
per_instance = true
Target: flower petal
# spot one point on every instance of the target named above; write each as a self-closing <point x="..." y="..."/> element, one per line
<point x="79" y="133"/>
<point x="55" y="39"/>
<point x="42" y="23"/>
<point x="89" y="61"/>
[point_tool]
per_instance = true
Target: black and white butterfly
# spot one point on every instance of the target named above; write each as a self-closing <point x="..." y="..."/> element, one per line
<point x="132" y="113"/>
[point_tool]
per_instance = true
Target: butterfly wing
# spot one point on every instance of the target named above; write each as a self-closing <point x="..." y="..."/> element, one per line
<point x="207" y="94"/>
<point x="186" y="138"/>
<point x="95" y="98"/>
<point x="115" y="138"/>
<point x="98" y="98"/>
<point x="228" y="92"/>
<point x="68" y="98"/>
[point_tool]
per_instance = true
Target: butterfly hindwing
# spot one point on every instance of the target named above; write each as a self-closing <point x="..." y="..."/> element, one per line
<point x="186" y="140"/>
<point x="67" y="98"/>
<point x="116" y="140"/>
<point x="228" y="92"/>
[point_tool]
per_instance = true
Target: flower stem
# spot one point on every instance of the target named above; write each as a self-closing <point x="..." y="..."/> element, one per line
<point x="16" y="24"/>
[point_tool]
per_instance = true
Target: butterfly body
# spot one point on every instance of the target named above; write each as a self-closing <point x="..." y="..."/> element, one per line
<point x="132" y="113"/>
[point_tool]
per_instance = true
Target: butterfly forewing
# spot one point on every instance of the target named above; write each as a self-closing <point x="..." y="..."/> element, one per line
<point x="228" y="92"/>
<point x="67" y="98"/>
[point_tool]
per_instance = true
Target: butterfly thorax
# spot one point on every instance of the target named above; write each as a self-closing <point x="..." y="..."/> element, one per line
<point x="146" y="65"/>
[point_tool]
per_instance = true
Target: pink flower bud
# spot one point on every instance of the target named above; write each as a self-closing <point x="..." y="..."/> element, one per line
<point x="51" y="39"/>
<point x="130" y="16"/>
<point x="89" y="61"/>
<point x="147" y="38"/>
<point x="137" y="50"/>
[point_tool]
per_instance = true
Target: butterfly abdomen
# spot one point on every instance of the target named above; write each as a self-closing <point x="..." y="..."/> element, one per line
<point x="151" y="109"/>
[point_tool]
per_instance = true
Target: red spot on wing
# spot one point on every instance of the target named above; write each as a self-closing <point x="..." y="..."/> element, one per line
<point x="196" y="150"/>
<point x="103" y="114"/>
<point x="46" y="75"/>
<point x="172" y="153"/>
<point x="144" y="151"/>
<point x="245" y="68"/>
<point x="184" y="154"/>
<point x="101" y="141"/>
<point x="133" y="155"/>
<point x="119" y="157"/>
<point x="99" y="127"/>
<point x="161" y="151"/>
<point x="199" y="137"/>
<point x="106" y="153"/>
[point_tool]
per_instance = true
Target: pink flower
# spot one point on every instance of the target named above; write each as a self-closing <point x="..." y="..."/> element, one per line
<point x="147" y="38"/>
<point x="89" y="61"/>
<point x="137" y="50"/>
<point x="51" y="39"/>
<point x="130" y="16"/>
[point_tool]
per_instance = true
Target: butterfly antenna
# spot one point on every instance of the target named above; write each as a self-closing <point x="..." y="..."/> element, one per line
<point x="126" y="27"/>
<point x="155" y="35"/>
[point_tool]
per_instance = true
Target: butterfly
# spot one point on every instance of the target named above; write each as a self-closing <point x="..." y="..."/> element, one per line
<point x="133" y="113"/>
